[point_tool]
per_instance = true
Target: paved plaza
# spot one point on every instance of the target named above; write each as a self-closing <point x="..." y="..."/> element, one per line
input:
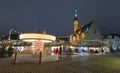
<point x="74" y="64"/>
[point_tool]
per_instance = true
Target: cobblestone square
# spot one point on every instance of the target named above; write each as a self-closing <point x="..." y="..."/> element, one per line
<point x="75" y="64"/>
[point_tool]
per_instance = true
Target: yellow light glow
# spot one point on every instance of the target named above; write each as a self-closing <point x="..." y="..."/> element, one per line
<point x="36" y="37"/>
<point x="75" y="22"/>
<point x="83" y="36"/>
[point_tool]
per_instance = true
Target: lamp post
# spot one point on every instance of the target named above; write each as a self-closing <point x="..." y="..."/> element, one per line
<point x="10" y="33"/>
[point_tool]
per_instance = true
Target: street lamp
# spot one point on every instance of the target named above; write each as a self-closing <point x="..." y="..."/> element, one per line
<point x="10" y="33"/>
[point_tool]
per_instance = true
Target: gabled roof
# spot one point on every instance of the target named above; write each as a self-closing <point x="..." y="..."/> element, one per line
<point x="88" y="25"/>
<point x="83" y="29"/>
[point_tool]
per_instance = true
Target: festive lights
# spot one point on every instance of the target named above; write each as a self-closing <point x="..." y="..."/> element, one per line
<point x="37" y="36"/>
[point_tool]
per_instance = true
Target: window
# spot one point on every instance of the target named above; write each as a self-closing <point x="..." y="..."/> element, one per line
<point x="86" y="30"/>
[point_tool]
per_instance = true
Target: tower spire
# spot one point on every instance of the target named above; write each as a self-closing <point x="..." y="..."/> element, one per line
<point x="76" y="13"/>
<point x="75" y="20"/>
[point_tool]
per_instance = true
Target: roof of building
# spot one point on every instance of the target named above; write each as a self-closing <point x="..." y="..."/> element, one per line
<point x="110" y="35"/>
<point x="113" y="35"/>
<point x="88" y="25"/>
<point x="83" y="29"/>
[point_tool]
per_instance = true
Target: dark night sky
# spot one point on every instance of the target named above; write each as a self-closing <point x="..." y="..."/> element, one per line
<point x="56" y="16"/>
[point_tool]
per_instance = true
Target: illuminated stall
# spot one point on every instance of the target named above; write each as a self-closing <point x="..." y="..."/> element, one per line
<point x="34" y="53"/>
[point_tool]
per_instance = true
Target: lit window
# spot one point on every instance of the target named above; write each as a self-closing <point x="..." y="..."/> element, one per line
<point x="86" y="30"/>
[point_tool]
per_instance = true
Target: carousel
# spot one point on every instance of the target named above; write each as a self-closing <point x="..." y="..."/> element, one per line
<point x="34" y="53"/>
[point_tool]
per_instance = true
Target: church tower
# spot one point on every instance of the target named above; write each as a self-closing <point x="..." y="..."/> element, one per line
<point x="75" y="20"/>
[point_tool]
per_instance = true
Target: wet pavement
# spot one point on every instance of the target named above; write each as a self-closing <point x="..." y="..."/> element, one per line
<point x="71" y="64"/>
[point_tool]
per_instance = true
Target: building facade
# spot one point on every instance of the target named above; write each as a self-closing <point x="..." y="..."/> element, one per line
<point x="113" y="42"/>
<point x="86" y="35"/>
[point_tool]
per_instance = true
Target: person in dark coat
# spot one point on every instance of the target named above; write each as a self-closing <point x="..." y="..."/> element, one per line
<point x="60" y="51"/>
